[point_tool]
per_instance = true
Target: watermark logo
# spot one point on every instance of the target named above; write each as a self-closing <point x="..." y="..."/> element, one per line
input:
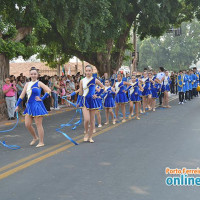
<point x="182" y="177"/>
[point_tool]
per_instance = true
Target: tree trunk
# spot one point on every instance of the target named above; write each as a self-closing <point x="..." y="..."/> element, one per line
<point x="4" y="72"/>
<point x="58" y="70"/>
<point x="111" y="58"/>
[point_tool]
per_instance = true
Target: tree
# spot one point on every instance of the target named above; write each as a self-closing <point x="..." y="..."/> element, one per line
<point x="53" y="55"/>
<point x="17" y="20"/>
<point x="99" y="30"/>
<point x="174" y="53"/>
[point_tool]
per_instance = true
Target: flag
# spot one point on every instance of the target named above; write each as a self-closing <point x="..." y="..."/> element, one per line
<point x="63" y="70"/>
<point x="69" y="71"/>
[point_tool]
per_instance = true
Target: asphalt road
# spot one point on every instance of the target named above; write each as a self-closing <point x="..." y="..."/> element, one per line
<point x="127" y="161"/>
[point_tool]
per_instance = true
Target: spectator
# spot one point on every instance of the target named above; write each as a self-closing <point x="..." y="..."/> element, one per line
<point x="72" y="86"/>
<point x="68" y="91"/>
<point x="19" y="86"/>
<point x="9" y="89"/>
<point x="113" y="77"/>
<point x="55" y="90"/>
<point x="172" y="89"/>
<point x="47" y="101"/>
<point x="63" y="93"/>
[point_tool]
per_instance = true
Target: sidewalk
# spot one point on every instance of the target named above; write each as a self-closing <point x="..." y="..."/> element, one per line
<point x="53" y="112"/>
<point x="6" y="122"/>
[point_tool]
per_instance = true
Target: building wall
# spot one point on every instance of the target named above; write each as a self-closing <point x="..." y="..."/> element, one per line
<point x="70" y="69"/>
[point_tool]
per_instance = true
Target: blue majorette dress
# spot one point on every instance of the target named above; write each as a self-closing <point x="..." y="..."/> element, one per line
<point x="166" y="84"/>
<point x="89" y="86"/>
<point x="34" y="108"/>
<point x="134" y="92"/>
<point x="108" y="97"/>
<point x="80" y="101"/>
<point x="147" y="88"/>
<point x="121" y="96"/>
<point x="154" y="89"/>
<point x="99" y="99"/>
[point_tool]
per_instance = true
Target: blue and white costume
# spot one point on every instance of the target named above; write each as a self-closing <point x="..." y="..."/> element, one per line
<point x="198" y="79"/>
<point x="121" y="96"/>
<point x="147" y="88"/>
<point x="89" y="86"/>
<point x="195" y="81"/>
<point x="184" y="83"/>
<point x="180" y="83"/>
<point x="166" y="84"/>
<point x="154" y="89"/>
<point x="34" y="108"/>
<point x="134" y="92"/>
<point x="99" y="99"/>
<point x="190" y="82"/>
<point x="187" y="82"/>
<point x="108" y="97"/>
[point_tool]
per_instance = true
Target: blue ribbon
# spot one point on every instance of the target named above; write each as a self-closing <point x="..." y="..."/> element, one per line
<point x="114" y="114"/>
<point x="8" y="130"/>
<point x="126" y="114"/>
<point x="13" y="147"/>
<point x="69" y="138"/>
<point x="69" y="124"/>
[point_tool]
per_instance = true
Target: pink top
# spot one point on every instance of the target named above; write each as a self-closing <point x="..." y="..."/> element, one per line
<point x="11" y="92"/>
<point x="63" y="92"/>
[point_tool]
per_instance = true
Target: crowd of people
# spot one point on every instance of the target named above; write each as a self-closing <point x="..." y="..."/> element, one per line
<point x="59" y="85"/>
<point x="64" y="85"/>
<point x="37" y="94"/>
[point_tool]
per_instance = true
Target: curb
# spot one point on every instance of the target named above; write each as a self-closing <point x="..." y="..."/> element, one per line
<point x="21" y="118"/>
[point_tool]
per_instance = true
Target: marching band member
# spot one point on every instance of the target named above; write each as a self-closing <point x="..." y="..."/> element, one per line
<point x="161" y="76"/>
<point x="134" y="96"/>
<point x="187" y="86"/>
<point x="146" y="94"/>
<point x="140" y="93"/>
<point x="154" y="90"/>
<point x="98" y="112"/>
<point x="190" y="84"/>
<point x="89" y="103"/>
<point x="195" y="81"/>
<point x="121" y="97"/>
<point x="109" y="102"/>
<point x="166" y="89"/>
<point x="35" y="108"/>
<point x="184" y="86"/>
<point x="180" y="87"/>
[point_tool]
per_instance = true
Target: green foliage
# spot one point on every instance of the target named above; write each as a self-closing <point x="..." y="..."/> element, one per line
<point x="11" y="48"/>
<point x="86" y="28"/>
<point x="16" y="17"/>
<point x="173" y="53"/>
<point x="52" y="55"/>
<point x="96" y="31"/>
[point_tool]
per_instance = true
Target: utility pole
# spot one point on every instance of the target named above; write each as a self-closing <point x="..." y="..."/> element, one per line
<point x="83" y="67"/>
<point x="135" y="50"/>
<point x="76" y="66"/>
<point x="58" y="67"/>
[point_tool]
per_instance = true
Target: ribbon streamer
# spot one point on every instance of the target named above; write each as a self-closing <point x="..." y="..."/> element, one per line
<point x="69" y="124"/>
<point x="126" y="114"/>
<point x="8" y="130"/>
<point x="13" y="147"/>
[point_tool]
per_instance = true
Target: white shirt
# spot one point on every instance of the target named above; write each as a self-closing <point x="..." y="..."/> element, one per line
<point x="166" y="80"/>
<point x="160" y="75"/>
<point x="28" y="89"/>
<point x="85" y="81"/>
<point x="117" y="86"/>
